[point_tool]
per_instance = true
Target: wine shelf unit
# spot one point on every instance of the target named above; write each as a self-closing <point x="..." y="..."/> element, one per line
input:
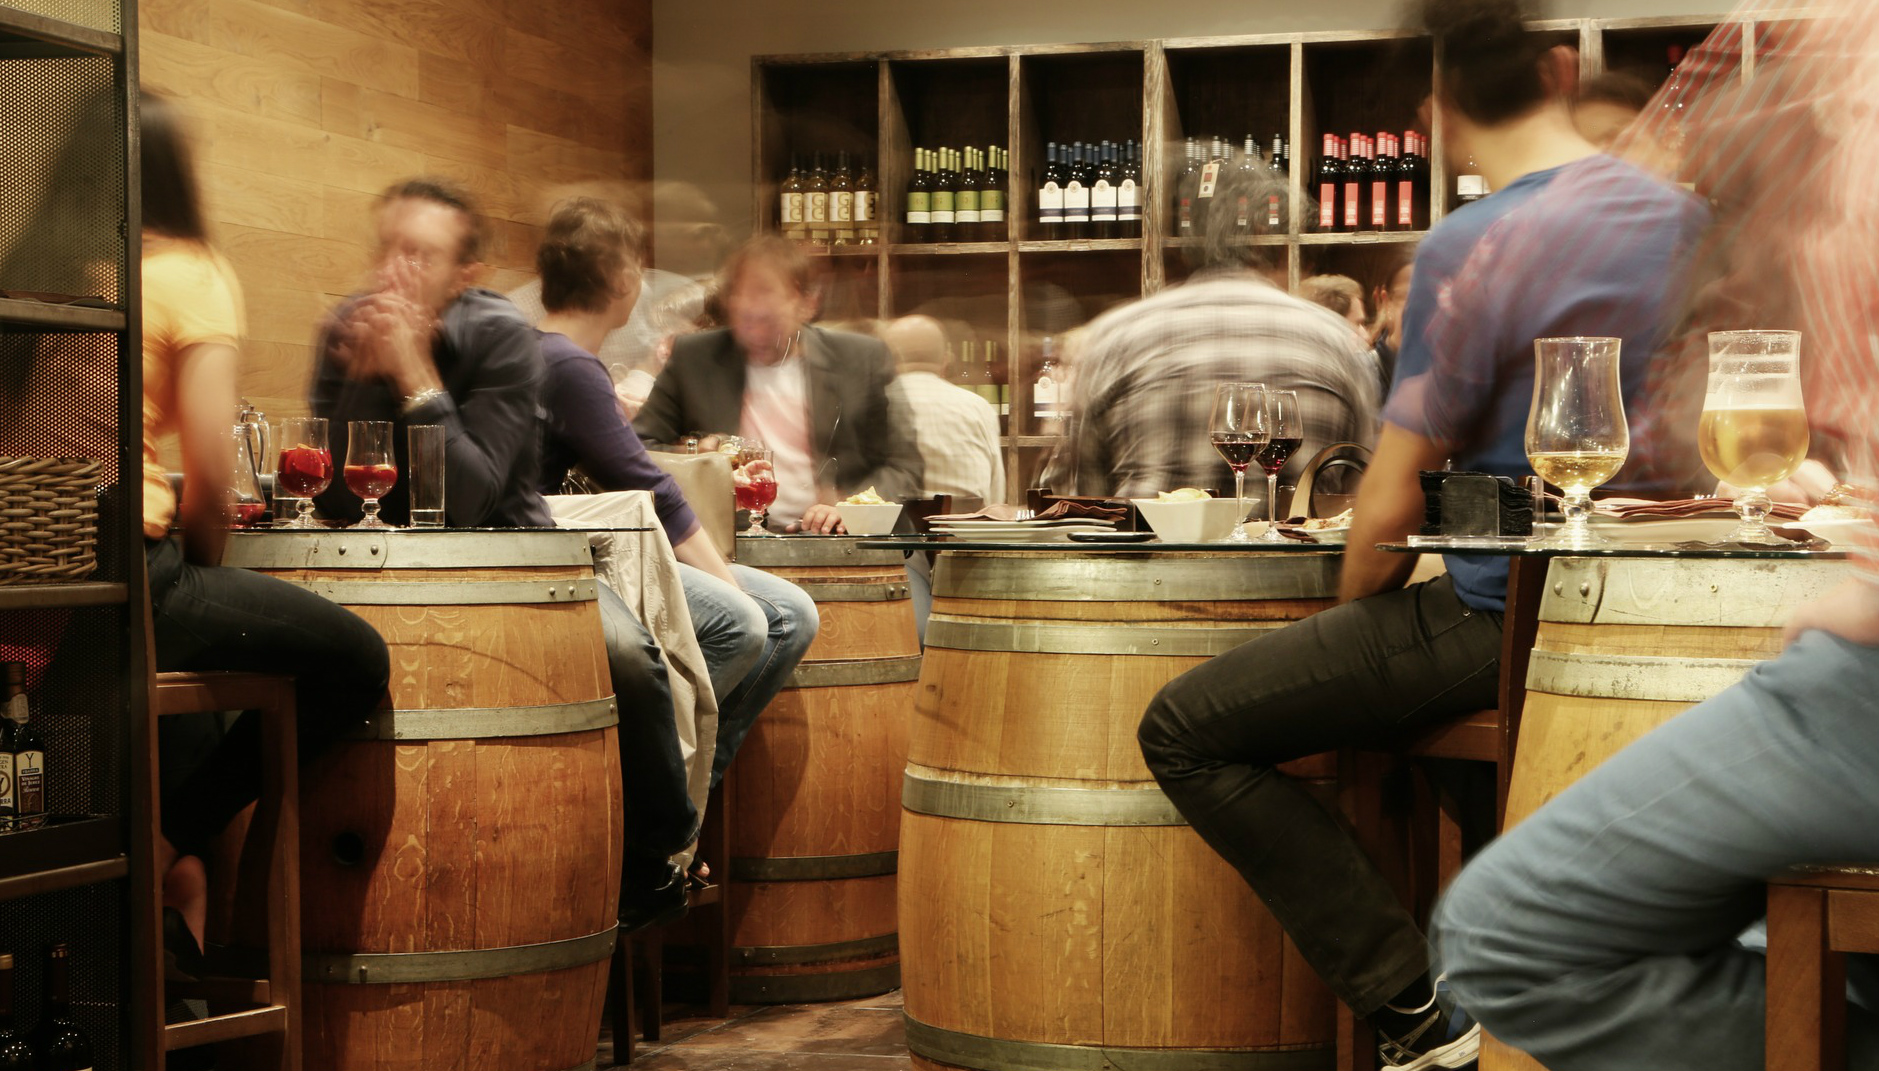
<point x="1024" y="288"/>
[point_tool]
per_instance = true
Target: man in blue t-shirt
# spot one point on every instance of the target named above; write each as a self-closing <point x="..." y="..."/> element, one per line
<point x="1573" y="243"/>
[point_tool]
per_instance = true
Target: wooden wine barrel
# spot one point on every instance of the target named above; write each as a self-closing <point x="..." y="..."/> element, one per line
<point x="460" y="857"/>
<point x="1056" y="911"/>
<point x="1626" y="644"/>
<point x="815" y="823"/>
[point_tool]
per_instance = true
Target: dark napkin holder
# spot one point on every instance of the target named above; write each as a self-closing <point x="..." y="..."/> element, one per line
<point x="1462" y="505"/>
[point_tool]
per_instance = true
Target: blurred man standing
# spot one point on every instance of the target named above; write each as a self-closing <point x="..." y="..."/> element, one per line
<point x="957" y="431"/>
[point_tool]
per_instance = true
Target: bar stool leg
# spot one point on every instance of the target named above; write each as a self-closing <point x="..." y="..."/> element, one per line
<point x="1806" y="1027"/>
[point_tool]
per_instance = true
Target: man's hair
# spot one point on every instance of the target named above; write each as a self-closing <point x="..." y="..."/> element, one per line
<point x="1490" y="63"/>
<point x="588" y="246"/>
<point x="1216" y="219"/>
<point x="1339" y="293"/>
<point x="1615" y="87"/>
<point x="772" y="251"/>
<point x="450" y="194"/>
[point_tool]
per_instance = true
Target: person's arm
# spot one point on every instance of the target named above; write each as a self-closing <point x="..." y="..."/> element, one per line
<point x="891" y="447"/>
<point x="1389" y="508"/>
<point x="698" y="551"/>
<point x="998" y="456"/>
<point x="487" y="429"/>
<point x="579" y="400"/>
<point x="658" y="421"/>
<point x="205" y="396"/>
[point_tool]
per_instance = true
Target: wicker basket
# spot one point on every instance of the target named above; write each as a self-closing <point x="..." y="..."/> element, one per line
<point x="48" y="519"/>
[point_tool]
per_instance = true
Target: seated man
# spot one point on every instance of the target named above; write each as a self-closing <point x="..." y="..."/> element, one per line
<point x="753" y="627"/>
<point x="427" y="347"/>
<point x="816" y="398"/>
<point x="1572" y="243"/>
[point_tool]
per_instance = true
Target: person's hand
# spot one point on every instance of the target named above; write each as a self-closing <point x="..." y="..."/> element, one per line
<point x="1850" y="611"/>
<point x="397" y="333"/>
<point x="708" y="444"/>
<point x="743" y="474"/>
<point x="820" y="519"/>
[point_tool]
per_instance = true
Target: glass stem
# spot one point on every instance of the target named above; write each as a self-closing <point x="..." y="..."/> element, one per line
<point x="1272" y="499"/>
<point x="1239" y="499"/>
<point x="305" y="517"/>
<point x="371" y="511"/>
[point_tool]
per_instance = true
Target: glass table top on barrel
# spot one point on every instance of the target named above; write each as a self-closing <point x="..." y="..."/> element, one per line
<point x="1540" y="547"/>
<point x="1110" y="543"/>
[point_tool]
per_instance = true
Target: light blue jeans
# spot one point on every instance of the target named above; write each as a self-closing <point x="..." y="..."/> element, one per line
<point x="1600" y="933"/>
<point x="751" y="639"/>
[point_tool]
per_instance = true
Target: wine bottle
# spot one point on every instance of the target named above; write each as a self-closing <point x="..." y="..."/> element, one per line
<point x="1186" y="186"/>
<point x="1275" y="201"/>
<point x="1129" y="194"/>
<point x="790" y="211"/>
<point x="1243" y="204"/>
<point x="1330" y="182"/>
<point x="1000" y="378"/>
<point x="16" y="1054"/>
<point x="28" y="748"/>
<point x="842" y="202"/>
<point x="816" y="203"/>
<point x="1044" y="392"/>
<point x="1076" y="194"/>
<point x="1470" y="184"/>
<point x="58" y="1041"/>
<point x="12" y="690"/>
<point x="867" y="206"/>
<point x="992" y="195"/>
<point x="1356" y="183"/>
<point x="1105" y="194"/>
<point x="1382" y="172"/>
<point x="1209" y="182"/>
<point x="919" y="218"/>
<point x="945" y="193"/>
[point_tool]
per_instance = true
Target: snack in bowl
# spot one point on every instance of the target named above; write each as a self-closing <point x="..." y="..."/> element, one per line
<point x="1182" y="494"/>
<point x="868" y="513"/>
<point x="866" y="498"/>
<point x="1190" y="520"/>
<point x="1328" y="524"/>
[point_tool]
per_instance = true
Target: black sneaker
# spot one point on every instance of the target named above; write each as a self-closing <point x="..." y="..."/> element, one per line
<point x="1442" y="1038"/>
<point x="652" y="906"/>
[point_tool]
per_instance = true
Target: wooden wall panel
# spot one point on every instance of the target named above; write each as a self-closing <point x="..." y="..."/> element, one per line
<point x="305" y="109"/>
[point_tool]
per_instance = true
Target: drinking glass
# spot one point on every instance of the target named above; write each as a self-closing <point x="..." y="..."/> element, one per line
<point x="425" y="463"/>
<point x="1239" y="428"/>
<point x="369" y="472"/>
<point x="306" y="465"/>
<point x="1753" y="432"/>
<point x="1284" y="434"/>
<point x="1576" y="432"/>
<point x="755" y="482"/>
<point x="244" y="483"/>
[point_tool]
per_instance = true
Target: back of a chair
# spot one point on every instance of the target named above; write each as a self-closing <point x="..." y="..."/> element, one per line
<point x="1310" y="499"/>
<point x="706" y="481"/>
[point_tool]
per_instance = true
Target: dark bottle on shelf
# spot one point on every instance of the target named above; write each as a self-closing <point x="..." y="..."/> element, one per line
<point x="1076" y="193"/>
<point x="1356" y="184"/>
<point x="966" y="198"/>
<point x="816" y="202"/>
<point x="1329" y="184"/>
<point x="1105" y="194"/>
<point x="1243" y="204"/>
<point x="992" y="195"/>
<point x="919" y="218"/>
<point x="1403" y="183"/>
<point x="1129" y="198"/>
<point x="1382" y="177"/>
<point x="945" y="194"/>
<point x="842" y="202"/>
<point x="1050" y="194"/>
<point x="790" y="219"/>
<point x="867" y="206"/>
<point x="998" y="377"/>
<point x="28" y="752"/>
<point x="58" y="1041"/>
<point x="1418" y="169"/>
<point x="1275" y="201"/>
<point x="11" y="686"/>
<point x="16" y="1054"/>
<point x="1186" y="187"/>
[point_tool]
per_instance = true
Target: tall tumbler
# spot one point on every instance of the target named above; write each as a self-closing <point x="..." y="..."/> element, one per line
<point x="427" y="475"/>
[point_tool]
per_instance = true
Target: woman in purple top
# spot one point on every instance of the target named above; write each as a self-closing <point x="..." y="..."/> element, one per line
<point x="752" y="627"/>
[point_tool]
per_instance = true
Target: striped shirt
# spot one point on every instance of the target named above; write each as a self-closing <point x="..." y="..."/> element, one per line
<point x="957" y="432"/>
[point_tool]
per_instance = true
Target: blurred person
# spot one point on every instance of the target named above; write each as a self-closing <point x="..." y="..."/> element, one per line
<point x="427" y="346"/>
<point x="1607" y="104"/>
<point x="205" y="616"/>
<point x="1342" y="295"/>
<point x="688" y="235"/>
<point x="1603" y="931"/>
<point x="1145" y="377"/>
<point x="1386" y="333"/>
<point x="957" y="430"/>
<point x="753" y="628"/>
<point x="817" y="398"/>
<point x="1573" y="242"/>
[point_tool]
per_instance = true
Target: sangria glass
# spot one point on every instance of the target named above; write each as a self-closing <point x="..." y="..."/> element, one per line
<point x="370" y="472"/>
<point x="306" y="465"/>
<point x="755" y="482"/>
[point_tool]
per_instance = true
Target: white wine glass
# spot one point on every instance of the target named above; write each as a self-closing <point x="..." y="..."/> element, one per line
<point x="1239" y="428"/>
<point x="1576" y="433"/>
<point x="1753" y="432"/>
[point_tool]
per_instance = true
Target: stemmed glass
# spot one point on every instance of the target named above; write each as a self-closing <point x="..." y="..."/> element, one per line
<point x="244" y="482"/>
<point x="1284" y="435"/>
<point x="1753" y="432"/>
<point x="1576" y="433"/>
<point x="755" y="481"/>
<point x="370" y="473"/>
<point x="306" y="465"/>
<point x="1239" y="428"/>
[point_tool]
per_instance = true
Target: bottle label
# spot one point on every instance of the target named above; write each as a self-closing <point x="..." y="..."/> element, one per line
<point x="818" y="204"/>
<point x="1352" y="191"/>
<point x="1379" y="205"/>
<point x="9" y="799"/>
<point x="1105" y="199"/>
<point x="919" y="206"/>
<point x="1076" y="203"/>
<point x="792" y="208"/>
<point x="1471" y="187"/>
<point x="1129" y="201"/>
<point x="1243" y="218"/>
<point x="1209" y="178"/>
<point x="1405" y="204"/>
<point x="29" y="784"/>
<point x="943" y="206"/>
<point x="966" y="206"/>
<point x="991" y="206"/>
<point x="1327" y="206"/>
<point x="1272" y="210"/>
<point x="1184" y="216"/>
<point x="1044" y="398"/>
<point x="1050" y="203"/>
<point x="843" y="205"/>
<point x="864" y="206"/>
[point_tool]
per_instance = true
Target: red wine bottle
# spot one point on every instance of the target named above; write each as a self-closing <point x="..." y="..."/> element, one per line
<point x="59" y="1041"/>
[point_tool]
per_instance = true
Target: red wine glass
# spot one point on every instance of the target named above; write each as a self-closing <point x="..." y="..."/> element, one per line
<point x="370" y="473"/>
<point x="1284" y="435"/>
<point x="755" y="482"/>
<point x="1238" y="430"/>
<point x="306" y="465"/>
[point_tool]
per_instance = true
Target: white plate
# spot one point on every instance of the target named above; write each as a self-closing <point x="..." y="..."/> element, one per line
<point x="1838" y="531"/>
<point x="1032" y="534"/>
<point x="1016" y="526"/>
<point x="1330" y="536"/>
<point x="1710" y="529"/>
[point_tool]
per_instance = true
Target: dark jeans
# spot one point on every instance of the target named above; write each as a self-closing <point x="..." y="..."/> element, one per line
<point x="231" y="619"/>
<point x="660" y="818"/>
<point x="1370" y="672"/>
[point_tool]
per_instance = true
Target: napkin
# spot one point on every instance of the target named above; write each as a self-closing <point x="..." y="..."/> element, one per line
<point x="1068" y="509"/>
<point x="1689" y="507"/>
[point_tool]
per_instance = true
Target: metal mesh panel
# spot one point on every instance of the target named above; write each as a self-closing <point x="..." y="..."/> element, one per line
<point x="62" y="223"/>
<point x="107" y="15"/>
<point x="73" y="663"/>
<point x="89" y="921"/>
<point x="58" y="398"/>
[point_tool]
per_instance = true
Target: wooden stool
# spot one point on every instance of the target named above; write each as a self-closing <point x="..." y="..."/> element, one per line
<point x="636" y="991"/>
<point x="267" y="1008"/>
<point x="1815" y="916"/>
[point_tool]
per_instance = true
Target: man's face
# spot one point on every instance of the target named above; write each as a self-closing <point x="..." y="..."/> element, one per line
<point x="1356" y="315"/>
<point x="429" y="237"/>
<point x="1398" y="294"/>
<point x="765" y="309"/>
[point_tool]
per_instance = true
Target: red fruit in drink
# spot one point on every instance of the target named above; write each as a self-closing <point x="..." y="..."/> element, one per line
<point x="371" y="481"/>
<point x="757" y="494"/>
<point x="304" y="471"/>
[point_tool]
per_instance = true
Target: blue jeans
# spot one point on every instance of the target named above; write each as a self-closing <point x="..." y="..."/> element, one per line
<point x="752" y="640"/>
<point x="660" y="817"/>
<point x="1600" y="932"/>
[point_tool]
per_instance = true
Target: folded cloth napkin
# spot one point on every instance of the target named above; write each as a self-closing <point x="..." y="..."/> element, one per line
<point x="1689" y="507"/>
<point x="1069" y="509"/>
<point x="997" y="511"/>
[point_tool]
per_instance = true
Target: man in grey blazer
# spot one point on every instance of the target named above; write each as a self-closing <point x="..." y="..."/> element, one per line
<point x="816" y="398"/>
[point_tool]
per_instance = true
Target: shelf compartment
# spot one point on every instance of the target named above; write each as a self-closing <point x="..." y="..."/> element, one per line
<point x="1082" y="245"/>
<point x="1237" y="240"/>
<point x="806" y="109"/>
<point x="819" y="250"/>
<point x="940" y="249"/>
<point x="1089" y="96"/>
<point x="29" y="35"/>
<point x="61" y="596"/>
<point x="1363" y="238"/>
<point x="45" y="316"/>
<point x="943" y="103"/>
<point x="64" y="853"/>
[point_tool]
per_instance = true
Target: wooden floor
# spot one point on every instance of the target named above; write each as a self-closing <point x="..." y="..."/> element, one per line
<point x="860" y="1035"/>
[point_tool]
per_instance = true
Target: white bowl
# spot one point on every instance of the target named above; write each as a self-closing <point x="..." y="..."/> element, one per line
<point x="868" y="520"/>
<point x="1207" y="520"/>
